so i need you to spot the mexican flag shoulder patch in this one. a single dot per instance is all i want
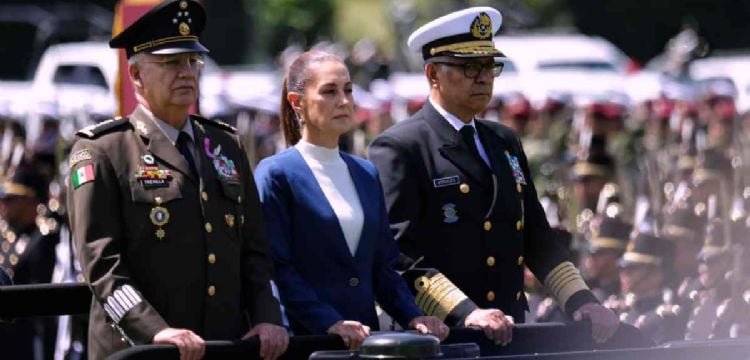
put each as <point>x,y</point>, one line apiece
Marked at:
<point>83,175</point>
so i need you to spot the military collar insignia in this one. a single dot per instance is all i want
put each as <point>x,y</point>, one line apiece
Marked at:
<point>224,166</point>
<point>140,126</point>
<point>516,167</point>
<point>481,27</point>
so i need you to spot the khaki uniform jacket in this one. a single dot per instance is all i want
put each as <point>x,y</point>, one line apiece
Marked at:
<point>160,247</point>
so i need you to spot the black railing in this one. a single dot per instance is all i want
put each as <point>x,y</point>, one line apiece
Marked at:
<point>540,341</point>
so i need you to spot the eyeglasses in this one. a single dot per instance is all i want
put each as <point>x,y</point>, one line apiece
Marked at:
<point>473,69</point>
<point>193,62</point>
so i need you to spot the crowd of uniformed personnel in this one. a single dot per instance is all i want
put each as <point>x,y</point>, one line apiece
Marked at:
<point>654,199</point>
<point>651,198</point>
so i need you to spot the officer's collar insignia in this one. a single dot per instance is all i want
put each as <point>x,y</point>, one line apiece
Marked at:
<point>140,126</point>
<point>450,214</point>
<point>516,167</point>
<point>224,166</point>
<point>481,27</point>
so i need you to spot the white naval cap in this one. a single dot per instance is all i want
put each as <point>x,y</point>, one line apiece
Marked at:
<point>464,33</point>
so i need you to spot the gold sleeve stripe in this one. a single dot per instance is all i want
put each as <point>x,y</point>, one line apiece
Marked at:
<point>438,296</point>
<point>564,281</point>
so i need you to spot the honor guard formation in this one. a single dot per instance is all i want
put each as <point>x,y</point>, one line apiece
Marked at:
<point>329,197</point>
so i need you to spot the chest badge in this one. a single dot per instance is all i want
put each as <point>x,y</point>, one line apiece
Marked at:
<point>223,165</point>
<point>151,176</point>
<point>450,214</point>
<point>230,219</point>
<point>516,167</point>
<point>159,217</point>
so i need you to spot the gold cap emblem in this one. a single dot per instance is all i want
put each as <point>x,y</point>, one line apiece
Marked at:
<point>184,29</point>
<point>481,27</point>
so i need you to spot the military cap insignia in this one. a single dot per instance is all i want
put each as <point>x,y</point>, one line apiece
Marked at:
<point>183,5</point>
<point>184,29</point>
<point>481,27</point>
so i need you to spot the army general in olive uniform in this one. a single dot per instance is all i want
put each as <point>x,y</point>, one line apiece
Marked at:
<point>164,209</point>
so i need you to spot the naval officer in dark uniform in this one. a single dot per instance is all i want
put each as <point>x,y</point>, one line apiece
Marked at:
<point>459,193</point>
<point>164,209</point>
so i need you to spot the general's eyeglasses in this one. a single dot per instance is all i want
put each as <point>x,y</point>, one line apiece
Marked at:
<point>472,69</point>
<point>193,62</point>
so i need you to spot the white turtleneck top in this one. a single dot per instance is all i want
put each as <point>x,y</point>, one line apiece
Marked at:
<point>334,179</point>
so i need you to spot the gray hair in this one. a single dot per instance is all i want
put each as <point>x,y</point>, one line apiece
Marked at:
<point>136,58</point>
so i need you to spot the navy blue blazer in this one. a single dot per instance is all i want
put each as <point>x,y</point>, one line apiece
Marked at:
<point>319,281</point>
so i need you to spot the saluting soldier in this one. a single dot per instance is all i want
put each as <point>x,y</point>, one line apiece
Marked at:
<point>459,193</point>
<point>164,210</point>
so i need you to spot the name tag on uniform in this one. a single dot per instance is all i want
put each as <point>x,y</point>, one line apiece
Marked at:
<point>446,181</point>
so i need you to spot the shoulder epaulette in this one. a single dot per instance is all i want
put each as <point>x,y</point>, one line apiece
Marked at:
<point>215,123</point>
<point>102,127</point>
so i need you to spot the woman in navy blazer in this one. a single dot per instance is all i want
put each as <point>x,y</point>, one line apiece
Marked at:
<point>325,214</point>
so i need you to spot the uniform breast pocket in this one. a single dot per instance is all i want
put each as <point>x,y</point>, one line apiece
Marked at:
<point>232,206</point>
<point>153,211</point>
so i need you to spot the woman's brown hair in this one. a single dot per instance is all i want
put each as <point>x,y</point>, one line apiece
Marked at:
<point>296,80</point>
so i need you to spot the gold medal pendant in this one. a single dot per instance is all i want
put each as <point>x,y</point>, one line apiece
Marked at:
<point>159,216</point>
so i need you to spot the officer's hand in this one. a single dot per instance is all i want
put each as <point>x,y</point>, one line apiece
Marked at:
<point>604,322</point>
<point>497,326</point>
<point>273,339</point>
<point>191,346</point>
<point>430,325</point>
<point>352,332</point>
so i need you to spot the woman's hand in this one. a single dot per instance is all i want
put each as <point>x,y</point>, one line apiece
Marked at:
<point>352,332</point>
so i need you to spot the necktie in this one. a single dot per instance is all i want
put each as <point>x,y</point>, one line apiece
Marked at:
<point>183,146</point>
<point>467,132</point>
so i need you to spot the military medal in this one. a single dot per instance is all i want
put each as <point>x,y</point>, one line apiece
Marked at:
<point>224,166</point>
<point>516,167</point>
<point>159,216</point>
<point>151,176</point>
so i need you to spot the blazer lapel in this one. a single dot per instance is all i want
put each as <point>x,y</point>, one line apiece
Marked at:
<point>368,201</point>
<point>454,148</point>
<point>158,143</point>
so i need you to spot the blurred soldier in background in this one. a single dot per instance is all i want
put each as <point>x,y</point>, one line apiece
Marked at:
<point>27,253</point>
<point>644,274</point>
<point>610,235</point>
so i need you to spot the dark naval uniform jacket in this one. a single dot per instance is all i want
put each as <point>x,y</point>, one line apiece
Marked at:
<point>161,246</point>
<point>479,226</point>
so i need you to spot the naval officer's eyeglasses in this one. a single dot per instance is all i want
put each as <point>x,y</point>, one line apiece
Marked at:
<point>473,69</point>
<point>194,62</point>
